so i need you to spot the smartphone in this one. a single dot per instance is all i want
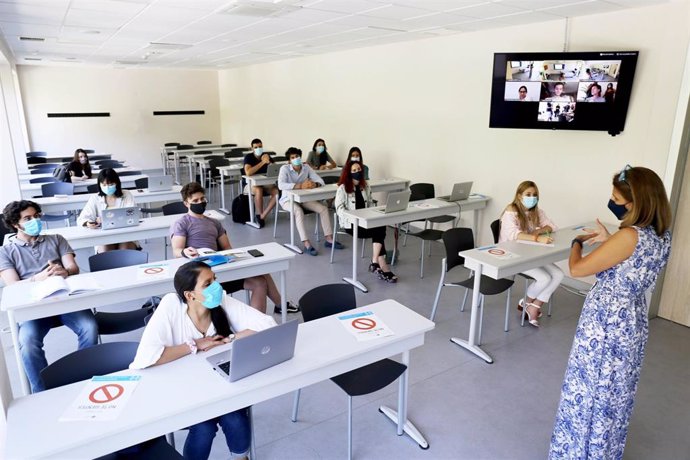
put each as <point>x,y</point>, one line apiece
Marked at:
<point>255,253</point>
<point>54,262</point>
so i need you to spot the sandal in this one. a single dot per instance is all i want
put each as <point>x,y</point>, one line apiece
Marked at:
<point>534,322</point>
<point>519,307</point>
<point>374,267</point>
<point>388,277</point>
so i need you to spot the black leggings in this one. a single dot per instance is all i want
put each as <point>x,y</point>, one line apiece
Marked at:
<point>377,235</point>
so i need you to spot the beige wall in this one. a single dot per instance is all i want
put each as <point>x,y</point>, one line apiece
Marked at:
<point>420,110</point>
<point>131,132</point>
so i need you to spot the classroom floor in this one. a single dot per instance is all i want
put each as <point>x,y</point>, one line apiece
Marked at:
<point>467,409</point>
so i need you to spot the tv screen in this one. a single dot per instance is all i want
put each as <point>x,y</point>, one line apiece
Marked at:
<point>578,90</point>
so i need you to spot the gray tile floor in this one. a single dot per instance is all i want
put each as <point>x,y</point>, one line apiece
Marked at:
<point>467,409</point>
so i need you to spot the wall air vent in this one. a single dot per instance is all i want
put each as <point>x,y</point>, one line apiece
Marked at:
<point>179,112</point>
<point>78,114</point>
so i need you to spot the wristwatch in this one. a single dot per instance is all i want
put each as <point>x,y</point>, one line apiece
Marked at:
<point>576,240</point>
<point>231,337</point>
<point>192,346</point>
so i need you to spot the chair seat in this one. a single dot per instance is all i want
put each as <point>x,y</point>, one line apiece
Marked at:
<point>487,285</point>
<point>441,219</point>
<point>118,323</point>
<point>369,378</point>
<point>151,210</point>
<point>429,234</point>
<point>154,449</point>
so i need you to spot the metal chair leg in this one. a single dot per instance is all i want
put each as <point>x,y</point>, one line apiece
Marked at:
<point>438,289</point>
<point>170,437</point>
<point>275,219</point>
<point>295,405</point>
<point>481,319</point>
<point>252,443</point>
<point>349,427</point>
<point>421,258</point>
<point>464,299</point>
<point>505,327</point>
<point>335,232</point>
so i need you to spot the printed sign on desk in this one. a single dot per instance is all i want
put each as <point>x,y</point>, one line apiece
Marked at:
<point>365,326</point>
<point>101,399</point>
<point>499,253</point>
<point>153,271</point>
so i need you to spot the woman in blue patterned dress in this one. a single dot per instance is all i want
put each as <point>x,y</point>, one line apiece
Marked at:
<point>598,392</point>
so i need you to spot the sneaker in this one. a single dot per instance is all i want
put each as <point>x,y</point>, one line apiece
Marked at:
<point>311,250</point>
<point>328,244</point>
<point>291,308</point>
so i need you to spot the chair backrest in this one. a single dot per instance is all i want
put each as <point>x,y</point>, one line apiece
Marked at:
<point>42,180</point>
<point>94,158</point>
<point>424,189</point>
<point>327,300</point>
<point>185,147</point>
<point>57,188</point>
<point>240,149</point>
<point>129,173</point>
<point>35,160</point>
<point>108,164</point>
<point>233,154</point>
<point>116,259</point>
<point>45,167</point>
<point>3,230</point>
<point>88,151</point>
<point>176,207</point>
<point>228,145</point>
<point>83,364</point>
<point>204,142</point>
<point>214,162</point>
<point>171,144</point>
<point>496,229</point>
<point>330,179</point>
<point>36,154</point>
<point>278,158</point>
<point>142,182</point>
<point>456,240</point>
<point>93,188</point>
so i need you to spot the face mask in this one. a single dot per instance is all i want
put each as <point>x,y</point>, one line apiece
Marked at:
<point>529,201</point>
<point>354,159</point>
<point>618,210</point>
<point>258,151</point>
<point>296,162</point>
<point>356,175</point>
<point>83,161</point>
<point>198,208</point>
<point>320,149</point>
<point>213,295</point>
<point>33,227</point>
<point>109,189</point>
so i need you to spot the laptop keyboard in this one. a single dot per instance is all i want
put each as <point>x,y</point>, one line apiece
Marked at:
<point>225,367</point>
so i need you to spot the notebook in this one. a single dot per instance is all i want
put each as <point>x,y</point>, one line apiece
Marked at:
<point>396,201</point>
<point>120,218</point>
<point>160,183</point>
<point>461,191</point>
<point>57,285</point>
<point>256,352</point>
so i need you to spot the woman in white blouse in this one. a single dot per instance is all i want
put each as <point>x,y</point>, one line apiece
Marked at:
<point>523,220</point>
<point>197,318</point>
<point>110,196</point>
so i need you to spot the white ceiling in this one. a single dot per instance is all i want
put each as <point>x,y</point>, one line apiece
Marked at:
<point>230,33</point>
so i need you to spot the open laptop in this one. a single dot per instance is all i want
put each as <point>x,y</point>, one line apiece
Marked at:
<point>461,191</point>
<point>120,218</point>
<point>273,170</point>
<point>160,183</point>
<point>256,352</point>
<point>396,201</point>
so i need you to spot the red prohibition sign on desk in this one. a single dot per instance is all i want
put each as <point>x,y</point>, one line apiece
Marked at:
<point>106,393</point>
<point>153,270</point>
<point>363,324</point>
<point>497,252</point>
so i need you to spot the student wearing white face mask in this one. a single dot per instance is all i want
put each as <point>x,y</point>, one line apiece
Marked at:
<point>319,158</point>
<point>523,220</point>
<point>256,162</point>
<point>355,156</point>
<point>110,196</point>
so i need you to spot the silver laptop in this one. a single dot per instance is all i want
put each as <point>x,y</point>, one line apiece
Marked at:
<point>120,218</point>
<point>160,183</point>
<point>461,191</point>
<point>256,352</point>
<point>396,201</point>
<point>273,170</point>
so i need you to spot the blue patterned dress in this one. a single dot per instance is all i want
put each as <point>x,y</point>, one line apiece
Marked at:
<point>604,367</point>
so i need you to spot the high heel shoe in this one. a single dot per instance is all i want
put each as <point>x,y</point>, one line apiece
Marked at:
<point>534,322</point>
<point>375,268</point>
<point>388,277</point>
<point>519,307</point>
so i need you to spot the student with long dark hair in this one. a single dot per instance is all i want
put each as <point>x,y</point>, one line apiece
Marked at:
<point>355,156</point>
<point>198,317</point>
<point>79,168</point>
<point>319,158</point>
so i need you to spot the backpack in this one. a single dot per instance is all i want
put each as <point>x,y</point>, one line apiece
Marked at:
<point>240,209</point>
<point>61,174</point>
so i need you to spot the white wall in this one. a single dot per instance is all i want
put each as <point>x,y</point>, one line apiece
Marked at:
<point>420,110</point>
<point>131,132</point>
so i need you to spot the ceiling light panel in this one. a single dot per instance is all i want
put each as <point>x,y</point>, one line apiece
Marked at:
<point>488,10</point>
<point>396,12</point>
<point>30,14</point>
<point>345,6</point>
<point>529,17</point>
<point>108,6</point>
<point>583,9</point>
<point>538,4</point>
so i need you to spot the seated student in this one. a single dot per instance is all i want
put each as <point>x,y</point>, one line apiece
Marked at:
<point>79,168</point>
<point>354,193</point>
<point>299,176</point>
<point>30,256</point>
<point>355,156</point>
<point>257,162</point>
<point>110,196</point>
<point>198,317</point>
<point>523,220</point>
<point>195,231</point>
<point>594,93</point>
<point>319,158</point>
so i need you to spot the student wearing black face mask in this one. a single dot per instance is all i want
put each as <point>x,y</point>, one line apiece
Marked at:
<point>194,231</point>
<point>355,156</point>
<point>598,394</point>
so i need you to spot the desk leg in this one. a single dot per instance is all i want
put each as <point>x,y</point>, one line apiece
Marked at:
<point>222,192</point>
<point>355,238</point>
<point>176,157</point>
<point>14,330</point>
<point>283,296</point>
<point>251,222</point>
<point>475,223</point>
<point>404,425</point>
<point>191,169</point>
<point>471,343</point>
<point>291,245</point>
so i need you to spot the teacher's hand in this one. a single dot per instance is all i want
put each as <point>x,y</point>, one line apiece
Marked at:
<point>596,235</point>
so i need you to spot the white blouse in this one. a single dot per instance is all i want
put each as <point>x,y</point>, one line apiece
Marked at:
<point>96,205</point>
<point>170,325</point>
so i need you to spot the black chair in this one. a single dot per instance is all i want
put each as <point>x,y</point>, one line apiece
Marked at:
<point>213,175</point>
<point>57,188</point>
<point>35,160</point>
<point>228,145</point>
<point>142,182</point>
<point>233,154</point>
<point>44,165</point>
<point>185,147</point>
<point>171,144</point>
<point>204,142</point>
<point>176,207</point>
<point>105,359</point>
<point>330,300</point>
<point>279,158</point>
<point>93,188</point>
<point>426,234</point>
<point>42,180</point>
<point>87,151</point>
<point>4,231</point>
<point>103,164</point>
<point>462,239</point>
<point>330,179</point>
<point>36,154</point>
<point>129,173</point>
<point>94,158</point>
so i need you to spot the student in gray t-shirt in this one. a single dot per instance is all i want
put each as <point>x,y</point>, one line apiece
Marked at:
<point>194,231</point>
<point>32,257</point>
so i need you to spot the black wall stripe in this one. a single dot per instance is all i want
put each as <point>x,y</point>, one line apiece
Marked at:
<point>79,114</point>
<point>179,112</point>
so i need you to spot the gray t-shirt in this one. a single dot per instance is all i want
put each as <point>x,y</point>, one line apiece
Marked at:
<point>200,232</point>
<point>28,260</point>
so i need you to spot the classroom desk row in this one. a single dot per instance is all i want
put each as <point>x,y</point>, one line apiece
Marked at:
<point>52,205</point>
<point>31,190</point>
<point>25,177</point>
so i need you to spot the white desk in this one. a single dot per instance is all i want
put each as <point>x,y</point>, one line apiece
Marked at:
<point>27,176</point>
<point>527,257</point>
<point>372,218</point>
<point>231,171</point>
<point>63,158</point>
<point>51,205</point>
<point>122,285</point>
<point>177,154</point>
<point>328,191</point>
<point>31,190</point>
<point>156,408</point>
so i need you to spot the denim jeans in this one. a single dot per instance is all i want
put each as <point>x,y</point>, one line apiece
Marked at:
<point>237,431</point>
<point>31,334</point>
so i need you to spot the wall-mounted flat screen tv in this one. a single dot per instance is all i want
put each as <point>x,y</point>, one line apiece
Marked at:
<point>576,90</point>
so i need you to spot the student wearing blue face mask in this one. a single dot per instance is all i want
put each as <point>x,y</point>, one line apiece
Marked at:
<point>256,162</point>
<point>110,196</point>
<point>198,317</point>
<point>319,158</point>
<point>523,220</point>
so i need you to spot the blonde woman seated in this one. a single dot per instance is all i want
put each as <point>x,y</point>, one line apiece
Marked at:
<point>198,317</point>
<point>523,220</point>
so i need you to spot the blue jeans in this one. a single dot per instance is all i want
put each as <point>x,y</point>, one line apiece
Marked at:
<point>237,431</point>
<point>31,334</point>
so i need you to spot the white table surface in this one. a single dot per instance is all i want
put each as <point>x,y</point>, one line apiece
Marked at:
<point>50,205</point>
<point>30,190</point>
<point>156,408</point>
<point>26,176</point>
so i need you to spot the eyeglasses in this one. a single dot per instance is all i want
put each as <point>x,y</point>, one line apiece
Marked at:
<point>621,176</point>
